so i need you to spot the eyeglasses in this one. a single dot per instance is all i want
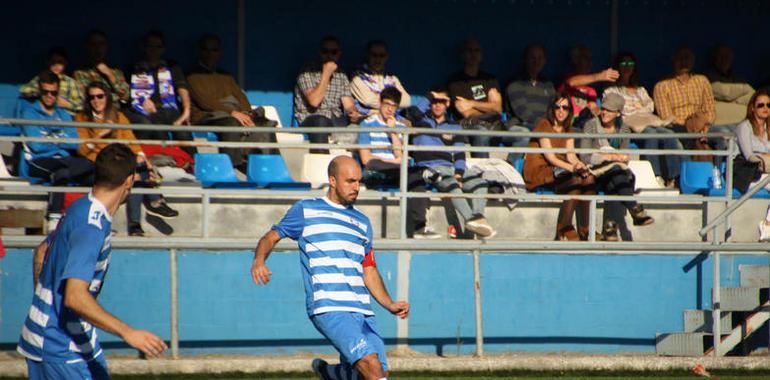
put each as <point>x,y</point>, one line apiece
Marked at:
<point>565,107</point>
<point>329,51</point>
<point>49,92</point>
<point>439,101</point>
<point>96,96</point>
<point>627,63</point>
<point>762,105</point>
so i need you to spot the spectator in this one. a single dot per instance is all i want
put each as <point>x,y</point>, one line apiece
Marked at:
<point>688,100</point>
<point>100,109</point>
<point>322,95</point>
<point>70,96</point>
<point>445,170</point>
<point>731,92</point>
<point>528,96</point>
<point>54,163</point>
<point>753,164</point>
<point>371,79</point>
<point>155,89</point>
<point>638,115</point>
<point>579,84</point>
<point>218,100</point>
<point>383,163</point>
<point>99,71</point>
<point>562,171</point>
<point>614,179</point>
<point>475,97</point>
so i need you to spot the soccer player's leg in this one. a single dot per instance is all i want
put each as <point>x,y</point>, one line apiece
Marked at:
<point>94,370</point>
<point>346,332</point>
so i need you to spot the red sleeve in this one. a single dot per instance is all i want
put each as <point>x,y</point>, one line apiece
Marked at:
<point>369,259</point>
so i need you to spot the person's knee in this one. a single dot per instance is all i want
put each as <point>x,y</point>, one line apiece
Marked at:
<point>370,367</point>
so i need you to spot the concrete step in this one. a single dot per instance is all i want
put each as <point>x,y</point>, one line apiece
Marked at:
<point>683,343</point>
<point>742,299</point>
<point>755,275</point>
<point>700,321</point>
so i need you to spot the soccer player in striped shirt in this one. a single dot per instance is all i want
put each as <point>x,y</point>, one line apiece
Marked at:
<point>59,335</point>
<point>339,273</point>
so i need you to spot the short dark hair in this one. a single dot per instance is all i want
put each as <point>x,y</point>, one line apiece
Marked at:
<point>329,38</point>
<point>114,164</point>
<point>154,33</point>
<point>374,43</point>
<point>95,32</point>
<point>47,77</point>
<point>208,36</point>
<point>57,51</point>
<point>391,93</point>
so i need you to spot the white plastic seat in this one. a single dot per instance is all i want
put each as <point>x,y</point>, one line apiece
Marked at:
<point>314,168</point>
<point>646,184</point>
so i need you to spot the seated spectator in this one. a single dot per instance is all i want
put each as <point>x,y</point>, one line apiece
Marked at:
<point>444,170</point>
<point>371,79</point>
<point>579,84</point>
<point>382,164</point>
<point>99,71</point>
<point>614,179</point>
<point>753,164</point>
<point>155,89</point>
<point>688,100</point>
<point>54,163</point>
<point>476,99</point>
<point>322,95</point>
<point>731,92</point>
<point>99,109</point>
<point>528,96</point>
<point>638,114</point>
<point>70,95</point>
<point>218,100</point>
<point>564,172</point>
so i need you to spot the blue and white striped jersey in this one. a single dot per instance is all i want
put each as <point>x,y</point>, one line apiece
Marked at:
<point>333,240</point>
<point>380,141</point>
<point>79,248</point>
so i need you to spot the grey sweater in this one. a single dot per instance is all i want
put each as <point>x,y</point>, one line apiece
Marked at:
<point>594,126</point>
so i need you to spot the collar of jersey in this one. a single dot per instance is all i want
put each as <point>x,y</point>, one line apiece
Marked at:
<point>335,205</point>
<point>99,204</point>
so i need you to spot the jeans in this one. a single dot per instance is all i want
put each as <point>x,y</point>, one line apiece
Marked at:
<point>134,201</point>
<point>321,121</point>
<point>516,142</point>
<point>672,162</point>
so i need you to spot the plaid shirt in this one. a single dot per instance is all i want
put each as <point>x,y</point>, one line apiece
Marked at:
<point>331,105</point>
<point>674,98</point>
<point>68,90</point>
<point>119,87</point>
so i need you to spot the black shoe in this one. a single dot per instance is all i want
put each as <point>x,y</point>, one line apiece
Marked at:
<point>610,231</point>
<point>162,210</point>
<point>135,230</point>
<point>640,216</point>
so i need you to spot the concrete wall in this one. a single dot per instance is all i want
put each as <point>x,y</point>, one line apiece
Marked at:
<point>531,302</point>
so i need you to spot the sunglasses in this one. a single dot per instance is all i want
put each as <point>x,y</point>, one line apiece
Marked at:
<point>330,51</point>
<point>762,105</point>
<point>627,63</point>
<point>439,101</point>
<point>49,92</point>
<point>96,96</point>
<point>565,107</point>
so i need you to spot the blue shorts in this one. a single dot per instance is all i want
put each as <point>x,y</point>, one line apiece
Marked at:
<point>354,335</point>
<point>94,370</point>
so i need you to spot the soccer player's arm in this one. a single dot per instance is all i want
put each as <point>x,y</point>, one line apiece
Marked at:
<point>38,259</point>
<point>290,226</point>
<point>373,282</point>
<point>77,276</point>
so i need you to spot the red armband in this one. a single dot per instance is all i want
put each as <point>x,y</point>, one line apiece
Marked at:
<point>369,259</point>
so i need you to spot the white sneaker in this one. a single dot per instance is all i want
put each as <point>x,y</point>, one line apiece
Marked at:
<point>764,231</point>
<point>425,233</point>
<point>479,226</point>
<point>661,181</point>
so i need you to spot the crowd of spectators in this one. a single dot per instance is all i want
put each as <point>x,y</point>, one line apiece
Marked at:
<point>156,91</point>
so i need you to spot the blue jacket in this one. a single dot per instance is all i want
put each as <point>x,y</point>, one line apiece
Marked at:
<point>44,149</point>
<point>421,117</point>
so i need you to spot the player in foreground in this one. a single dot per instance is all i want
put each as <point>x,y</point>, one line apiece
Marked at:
<point>59,335</point>
<point>339,272</point>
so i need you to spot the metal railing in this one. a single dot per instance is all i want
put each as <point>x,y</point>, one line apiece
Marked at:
<point>403,246</point>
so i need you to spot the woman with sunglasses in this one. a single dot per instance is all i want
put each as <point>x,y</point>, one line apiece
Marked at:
<point>98,108</point>
<point>563,172</point>
<point>751,165</point>
<point>638,113</point>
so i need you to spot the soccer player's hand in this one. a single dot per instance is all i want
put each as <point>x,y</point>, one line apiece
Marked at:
<point>260,274</point>
<point>400,309</point>
<point>145,341</point>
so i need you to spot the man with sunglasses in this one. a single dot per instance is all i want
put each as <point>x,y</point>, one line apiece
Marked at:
<point>70,94</point>
<point>322,96</point>
<point>371,79</point>
<point>56,164</point>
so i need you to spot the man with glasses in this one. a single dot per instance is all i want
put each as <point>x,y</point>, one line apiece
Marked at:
<point>56,164</point>
<point>217,99</point>
<point>382,162</point>
<point>70,94</point>
<point>371,79</point>
<point>322,95</point>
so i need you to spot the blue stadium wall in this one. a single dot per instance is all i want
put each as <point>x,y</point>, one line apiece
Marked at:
<point>531,302</point>
<point>424,35</point>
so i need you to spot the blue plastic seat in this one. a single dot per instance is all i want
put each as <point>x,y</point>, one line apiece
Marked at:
<point>519,165</point>
<point>216,170</point>
<point>269,171</point>
<point>210,136</point>
<point>24,171</point>
<point>695,177</point>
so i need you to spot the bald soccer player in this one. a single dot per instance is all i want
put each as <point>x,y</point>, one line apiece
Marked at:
<point>339,273</point>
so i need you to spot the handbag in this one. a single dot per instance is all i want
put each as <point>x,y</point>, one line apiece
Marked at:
<point>763,162</point>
